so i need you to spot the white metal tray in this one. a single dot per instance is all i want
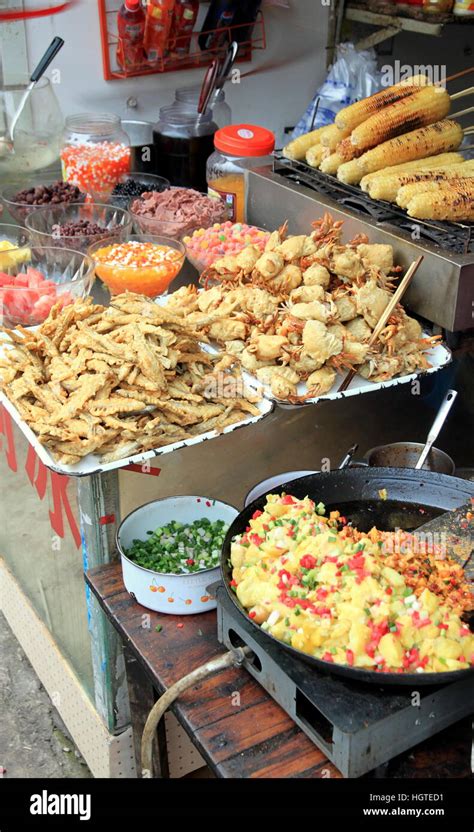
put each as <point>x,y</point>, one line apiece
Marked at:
<point>91,463</point>
<point>438,357</point>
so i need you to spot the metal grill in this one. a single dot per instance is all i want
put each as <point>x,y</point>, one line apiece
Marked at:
<point>457,238</point>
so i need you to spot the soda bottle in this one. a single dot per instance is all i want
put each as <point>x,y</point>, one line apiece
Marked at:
<point>131,29</point>
<point>185,15</point>
<point>221,13</point>
<point>159,17</point>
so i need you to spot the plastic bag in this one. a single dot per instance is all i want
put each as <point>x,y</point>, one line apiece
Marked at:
<point>353,76</point>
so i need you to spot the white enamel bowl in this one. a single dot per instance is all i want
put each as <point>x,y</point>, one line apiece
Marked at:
<point>168,593</point>
<point>272,483</point>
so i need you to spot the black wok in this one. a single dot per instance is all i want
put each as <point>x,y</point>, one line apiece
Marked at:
<point>413,498</point>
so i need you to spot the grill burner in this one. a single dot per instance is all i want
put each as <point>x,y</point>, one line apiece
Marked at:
<point>450,236</point>
<point>358,726</point>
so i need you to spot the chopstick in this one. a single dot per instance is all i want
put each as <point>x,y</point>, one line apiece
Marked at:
<point>459,74</point>
<point>396,297</point>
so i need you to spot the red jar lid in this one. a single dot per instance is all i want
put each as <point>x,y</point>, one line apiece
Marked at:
<point>244,140</point>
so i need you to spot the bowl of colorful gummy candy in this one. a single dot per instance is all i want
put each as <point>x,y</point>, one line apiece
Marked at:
<point>206,245</point>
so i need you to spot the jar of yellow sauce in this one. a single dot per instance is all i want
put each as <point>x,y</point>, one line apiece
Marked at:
<point>238,147</point>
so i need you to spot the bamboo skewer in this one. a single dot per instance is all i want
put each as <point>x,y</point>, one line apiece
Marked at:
<point>462,112</point>
<point>462,93</point>
<point>396,298</point>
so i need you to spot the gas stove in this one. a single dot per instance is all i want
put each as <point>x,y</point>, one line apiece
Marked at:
<point>358,726</point>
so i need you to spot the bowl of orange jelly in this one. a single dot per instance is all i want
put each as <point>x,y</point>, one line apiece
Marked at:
<point>145,263</point>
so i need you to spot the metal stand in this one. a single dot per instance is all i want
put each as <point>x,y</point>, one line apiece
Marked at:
<point>99,512</point>
<point>358,726</point>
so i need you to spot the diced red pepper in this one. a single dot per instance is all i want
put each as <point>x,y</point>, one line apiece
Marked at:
<point>322,611</point>
<point>287,500</point>
<point>357,562</point>
<point>389,590</point>
<point>321,594</point>
<point>256,514</point>
<point>443,626</point>
<point>350,657</point>
<point>256,539</point>
<point>252,614</point>
<point>308,562</point>
<point>327,657</point>
<point>233,582</point>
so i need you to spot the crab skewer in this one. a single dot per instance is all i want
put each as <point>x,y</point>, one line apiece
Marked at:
<point>404,284</point>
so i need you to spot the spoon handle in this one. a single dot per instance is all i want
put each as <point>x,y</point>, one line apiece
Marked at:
<point>438,423</point>
<point>51,52</point>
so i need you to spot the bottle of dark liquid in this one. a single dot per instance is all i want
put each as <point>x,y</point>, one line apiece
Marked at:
<point>183,143</point>
<point>221,14</point>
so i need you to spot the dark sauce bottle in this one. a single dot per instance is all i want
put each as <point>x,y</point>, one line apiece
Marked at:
<point>183,144</point>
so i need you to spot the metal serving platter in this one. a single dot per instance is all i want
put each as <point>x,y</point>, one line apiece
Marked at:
<point>91,464</point>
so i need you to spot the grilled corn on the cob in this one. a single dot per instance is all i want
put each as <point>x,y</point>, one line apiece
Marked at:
<point>350,117</point>
<point>441,160</point>
<point>333,135</point>
<point>450,202</point>
<point>386,187</point>
<point>407,192</point>
<point>425,106</point>
<point>298,148</point>
<point>426,141</point>
<point>314,155</point>
<point>345,151</point>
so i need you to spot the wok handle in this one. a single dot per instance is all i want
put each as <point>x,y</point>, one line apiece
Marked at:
<point>438,423</point>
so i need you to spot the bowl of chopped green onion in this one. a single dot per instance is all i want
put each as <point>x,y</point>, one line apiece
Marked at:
<point>168,564</point>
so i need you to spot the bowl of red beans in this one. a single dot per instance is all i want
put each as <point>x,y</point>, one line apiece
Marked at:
<point>206,245</point>
<point>77,225</point>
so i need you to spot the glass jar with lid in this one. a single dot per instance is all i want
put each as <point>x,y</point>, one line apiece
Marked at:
<point>96,153</point>
<point>237,148</point>
<point>183,142</point>
<point>221,112</point>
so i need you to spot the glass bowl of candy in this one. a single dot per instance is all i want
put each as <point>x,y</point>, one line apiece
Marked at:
<point>40,192</point>
<point>96,153</point>
<point>144,263</point>
<point>206,245</point>
<point>176,212</point>
<point>77,225</point>
<point>48,277</point>
<point>134,184</point>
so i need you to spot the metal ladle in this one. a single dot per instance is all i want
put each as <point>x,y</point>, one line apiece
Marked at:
<point>51,52</point>
<point>438,423</point>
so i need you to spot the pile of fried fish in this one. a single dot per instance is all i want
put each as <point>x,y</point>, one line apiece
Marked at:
<point>118,380</point>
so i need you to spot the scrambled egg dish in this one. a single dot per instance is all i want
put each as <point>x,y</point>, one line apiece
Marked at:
<point>327,591</point>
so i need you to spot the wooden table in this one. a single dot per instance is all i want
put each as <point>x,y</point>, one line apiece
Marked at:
<point>255,738</point>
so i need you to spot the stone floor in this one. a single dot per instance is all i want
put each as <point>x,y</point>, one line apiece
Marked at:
<point>33,740</point>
